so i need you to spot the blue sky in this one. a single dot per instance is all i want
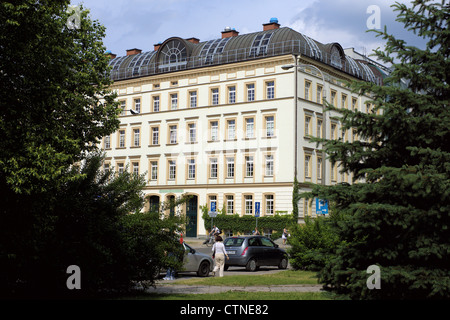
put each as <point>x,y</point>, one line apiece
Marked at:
<point>142,23</point>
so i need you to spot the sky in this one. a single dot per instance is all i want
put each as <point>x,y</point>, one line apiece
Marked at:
<point>143,23</point>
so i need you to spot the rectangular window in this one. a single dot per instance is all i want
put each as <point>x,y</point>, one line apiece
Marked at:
<point>174,101</point>
<point>156,104</point>
<point>215,96</point>
<point>135,166</point>
<point>121,138</point>
<point>270,90</point>
<point>232,94</point>
<point>120,168</point>
<point>248,204</point>
<point>354,104</point>
<point>319,128</point>
<point>137,105</point>
<point>249,166</point>
<point>136,137</point>
<point>123,107</point>
<point>307,90</point>
<point>231,129</point>
<point>319,94</point>
<point>191,168</point>
<point>344,101</point>
<point>333,131</point>
<point>172,169</point>
<point>319,167</point>
<point>270,126</point>
<point>213,168</point>
<point>230,167</point>
<point>214,130</point>
<point>192,132</point>
<point>193,99</point>
<point>269,165</point>
<point>155,136</point>
<point>307,125</point>
<point>333,98</point>
<point>230,204</point>
<point>269,204</point>
<point>249,127</point>
<point>108,142</point>
<point>307,166</point>
<point>173,134</point>
<point>251,92</point>
<point>154,170</point>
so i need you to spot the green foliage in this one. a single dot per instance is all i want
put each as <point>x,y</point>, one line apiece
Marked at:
<point>397,217</point>
<point>295,198</point>
<point>246,224</point>
<point>310,243</point>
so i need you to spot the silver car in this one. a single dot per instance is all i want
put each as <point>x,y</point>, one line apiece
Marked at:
<point>194,261</point>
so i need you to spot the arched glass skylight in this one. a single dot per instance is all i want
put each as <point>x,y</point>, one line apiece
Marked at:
<point>260,43</point>
<point>116,62</point>
<point>173,56</point>
<point>369,74</point>
<point>139,60</point>
<point>313,48</point>
<point>353,66</point>
<point>212,48</point>
<point>336,58</point>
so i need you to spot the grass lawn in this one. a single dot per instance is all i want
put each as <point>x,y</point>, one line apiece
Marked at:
<point>237,295</point>
<point>279,278</point>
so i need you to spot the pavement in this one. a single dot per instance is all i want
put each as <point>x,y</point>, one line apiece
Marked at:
<point>170,286</point>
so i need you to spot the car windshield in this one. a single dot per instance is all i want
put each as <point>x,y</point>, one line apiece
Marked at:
<point>233,242</point>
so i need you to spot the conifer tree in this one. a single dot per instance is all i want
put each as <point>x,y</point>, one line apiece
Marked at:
<point>396,213</point>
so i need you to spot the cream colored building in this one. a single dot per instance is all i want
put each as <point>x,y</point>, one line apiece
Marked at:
<point>216,119</point>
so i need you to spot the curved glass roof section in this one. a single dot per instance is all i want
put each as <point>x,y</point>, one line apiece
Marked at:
<point>179,54</point>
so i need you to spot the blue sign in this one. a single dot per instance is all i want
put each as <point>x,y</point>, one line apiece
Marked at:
<point>213,206</point>
<point>321,206</point>
<point>257,209</point>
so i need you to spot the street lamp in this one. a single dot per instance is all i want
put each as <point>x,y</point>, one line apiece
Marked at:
<point>298,66</point>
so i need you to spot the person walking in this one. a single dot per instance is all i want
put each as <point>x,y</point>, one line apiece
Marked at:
<point>219,256</point>
<point>284,235</point>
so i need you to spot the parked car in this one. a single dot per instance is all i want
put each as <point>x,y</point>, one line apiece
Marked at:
<point>194,261</point>
<point>253,252</point>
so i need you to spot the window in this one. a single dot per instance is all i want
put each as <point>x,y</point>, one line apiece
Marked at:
<point>307,90</point>
<point>213,168</point>
<point>154,170</point>
<point>137,105</point>
<point>135,166</point>
<point>319,94</point>
<point>251,92</point>
<point>214,130</point>
<point>307,166</point>
<point>230,204</point>
<point>155,136</point>
<point>215,96</point>
<point>156,104</point>
<point>344,101</point>
<point>191,168</point>
<point>319,167</point>
<point>123,107</point>
<point>173,134</point>
<point>259,45</point>
<point>172,169</point>
<point>333,98</point>
<point>269,165</point>
<point>232,94</point>
<point>193,99</point>
<point>174,101</point>
<point>192,132</point>
<point>249,166</point>
<point>231,129</point>
<point>106,167</point>
<point>354,104</point>
<point>270,126</point>
<point>108,142</point>
<point>307,125</point>
<point>270,89</point>
<point>333,131</point>
<point>230,167</point>
<point>269,204</point>
<point>248,204</point>
<point>136,137</point>
<point>249,127</point>
<point>120,168</point>
<point>319,128</point>
<point>121,138</point>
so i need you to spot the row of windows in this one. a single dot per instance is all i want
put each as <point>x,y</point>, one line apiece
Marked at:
<point>214,98</point>
<point>192,167</point>
<point>191,134</point>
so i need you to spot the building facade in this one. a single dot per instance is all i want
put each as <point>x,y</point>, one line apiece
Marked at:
<point>229,120</point>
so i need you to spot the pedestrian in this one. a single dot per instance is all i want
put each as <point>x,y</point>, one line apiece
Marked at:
<point>219,256</point>
<point>284,235</point>
<point>256,232</point>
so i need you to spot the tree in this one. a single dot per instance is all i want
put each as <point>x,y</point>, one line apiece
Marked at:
<point>398,218</point>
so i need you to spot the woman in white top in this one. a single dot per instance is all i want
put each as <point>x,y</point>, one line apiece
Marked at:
<point>219,255</point>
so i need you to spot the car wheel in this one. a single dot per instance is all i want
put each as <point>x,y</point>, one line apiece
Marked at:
<point>251,265</point>
<point>203,269</point>
<point>283,263</point>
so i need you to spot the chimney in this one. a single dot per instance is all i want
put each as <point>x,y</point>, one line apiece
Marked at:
<point>228,33</point>
<point>110,55</point>
<point>194,40</point>
<point>157,46</point>
<point>134,51</point>
<point>273,24</point>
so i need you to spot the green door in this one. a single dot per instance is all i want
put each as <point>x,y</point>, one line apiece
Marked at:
<point>191,217</point>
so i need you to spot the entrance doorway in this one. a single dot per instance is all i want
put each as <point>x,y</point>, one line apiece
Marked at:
<point>191,216</point>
